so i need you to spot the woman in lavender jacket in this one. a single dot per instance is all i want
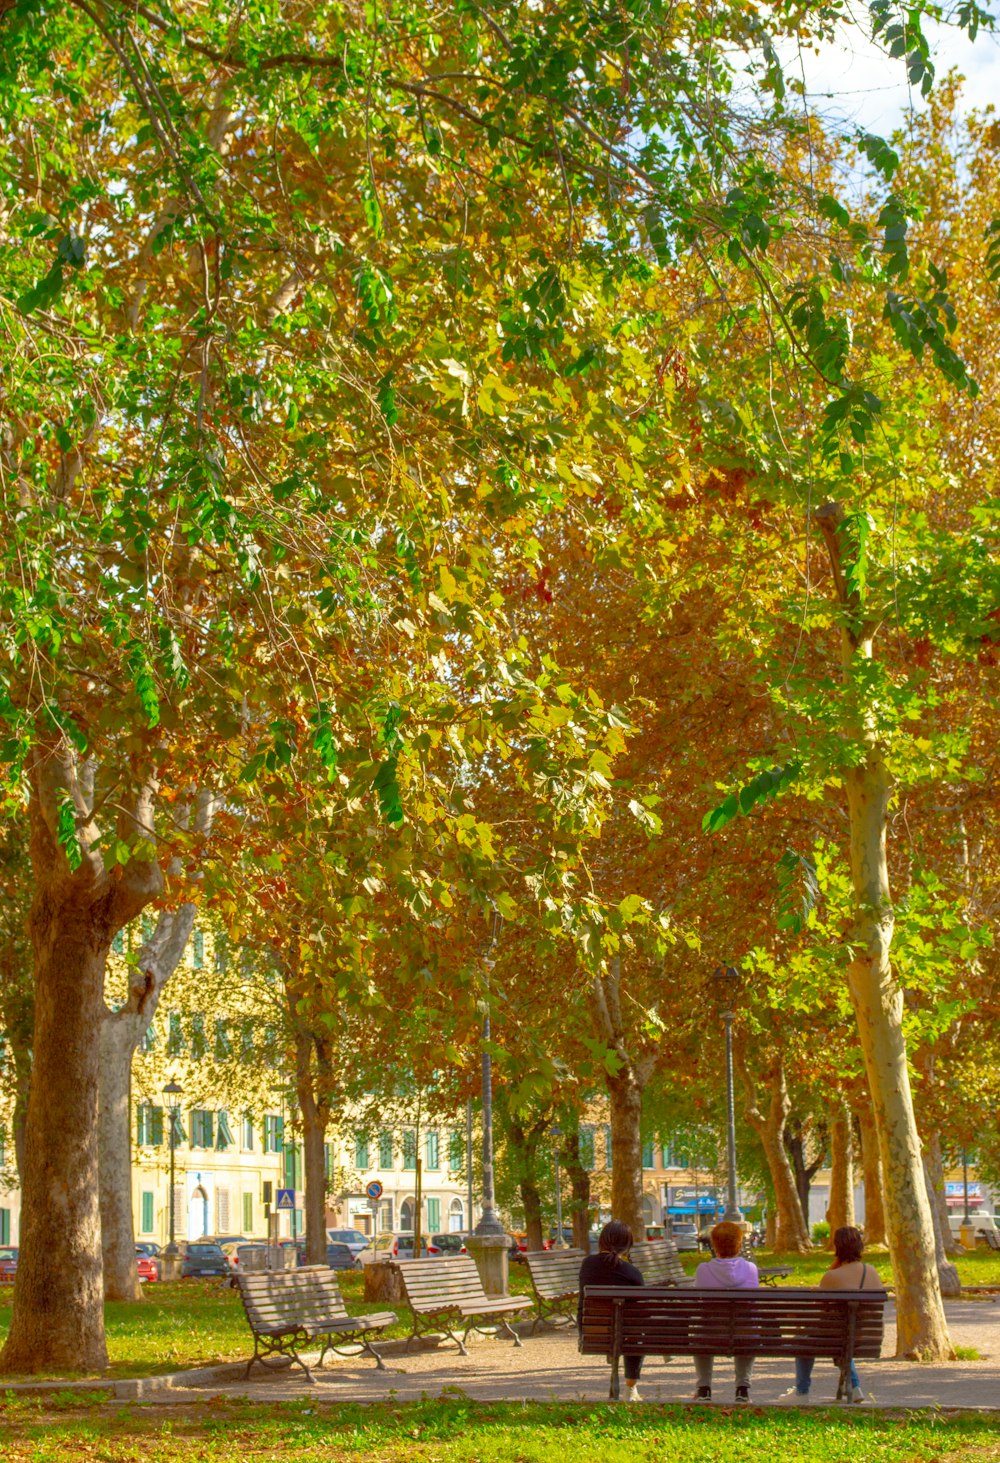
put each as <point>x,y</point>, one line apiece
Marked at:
<point>727,1271</point>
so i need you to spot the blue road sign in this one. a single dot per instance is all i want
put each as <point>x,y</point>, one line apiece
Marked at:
<point>286,1199</point>
<point>374,1189</point>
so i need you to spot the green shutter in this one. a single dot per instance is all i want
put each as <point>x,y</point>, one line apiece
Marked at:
<point>361,1154</point>
<point>409,1149</point>
<point>224,1134</point>
<point>456,1149</point>
<point>248,1214</point>
<point>433,1216</point>
<point>647,1155</point>
<point>4,1226</point>
<point>385,1150</point>
<point>198,950</point>
<point>431,1150</point>
<point>147,1212</point>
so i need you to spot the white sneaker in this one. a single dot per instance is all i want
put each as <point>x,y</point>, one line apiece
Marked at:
<point>794,1395</point>
<point>632,1394</point>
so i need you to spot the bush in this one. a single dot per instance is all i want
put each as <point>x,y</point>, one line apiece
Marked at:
<point>820,1232</point>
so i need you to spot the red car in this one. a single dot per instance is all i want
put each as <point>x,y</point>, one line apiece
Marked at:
<point>146,1266</point>
<point>8,1265</point>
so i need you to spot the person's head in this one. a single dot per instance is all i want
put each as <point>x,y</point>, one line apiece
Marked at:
<point>848,1244</point>
<point>615,1240</point>
<point>727,1239</point>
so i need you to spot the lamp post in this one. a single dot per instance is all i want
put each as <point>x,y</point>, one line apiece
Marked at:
<point>171,1092</point>
<point>468,1159</point>
<point>965,1185</point>
<point>489,1220</point>
<point>726,981</point>
<point>556,1132</point>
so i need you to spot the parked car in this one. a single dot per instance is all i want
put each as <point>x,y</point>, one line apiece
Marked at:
<point>984,1224</point>
<point>447,1244</point>
<point>146,1266</point>
<point>146,1247</point>
<point>8,1263</point>
<point>567,1237</point>
<point>684,1233</point>
<point>202,1257</point>
<point>391,1246</point>
<point>353,1238</point>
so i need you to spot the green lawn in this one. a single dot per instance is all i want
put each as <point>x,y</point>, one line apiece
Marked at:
<point>195,1322</point>
<point>459,1431</point>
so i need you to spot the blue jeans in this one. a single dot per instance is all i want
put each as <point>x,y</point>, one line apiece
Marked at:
<point>804,1370</point>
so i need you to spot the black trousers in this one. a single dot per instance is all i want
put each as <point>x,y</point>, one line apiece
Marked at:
<point>633,1367</point>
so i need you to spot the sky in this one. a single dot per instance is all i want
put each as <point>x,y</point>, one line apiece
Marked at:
<point>854,83</point>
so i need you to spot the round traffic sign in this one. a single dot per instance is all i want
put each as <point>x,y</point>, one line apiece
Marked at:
<point>374,1189</point>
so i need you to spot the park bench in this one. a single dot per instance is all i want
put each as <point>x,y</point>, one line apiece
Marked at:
<point>555,1279</point>
<point>767,1274</point>
<point>445,1293</point>
<point>623,1320</point>
<point>286,1309</point>
<point>659,1262</point>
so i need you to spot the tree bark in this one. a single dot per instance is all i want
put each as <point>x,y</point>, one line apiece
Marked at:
<point>579,1181</point>
<point>625,1101</point>
<point>840,1208</point>
<point>523,1142</point>
<point>314,1106</point>
<point>871,1167</point>
<point>934,1166</point>
<point>58,1316</point>
<point>790,1233</point>
<point>948,1277</point>
<point>121,1031</point>
<point>877,998</point>
<point>795,1145</point>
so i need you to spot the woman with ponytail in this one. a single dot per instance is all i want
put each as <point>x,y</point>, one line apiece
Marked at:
<point>610,1267</point>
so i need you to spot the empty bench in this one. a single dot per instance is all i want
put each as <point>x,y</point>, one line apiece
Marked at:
<point>555,1279</point>
<point>621,1320</point>
<point>288,1309</point>
<point>767,1274</point>
<point>660,1263</point>
<point>447,1294</point>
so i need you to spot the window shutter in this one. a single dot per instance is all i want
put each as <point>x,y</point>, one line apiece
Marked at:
<point>224,1134</point>
<point>248,1214</point>
<point>222,1210</point>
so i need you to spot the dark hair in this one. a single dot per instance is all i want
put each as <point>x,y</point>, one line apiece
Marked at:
<point>848,1243</point>
<point>615,1240</point>
<point>727,1239</point>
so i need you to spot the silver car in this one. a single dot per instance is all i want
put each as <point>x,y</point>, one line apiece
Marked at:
<point>352,1238</point>
<point>684,1233</point>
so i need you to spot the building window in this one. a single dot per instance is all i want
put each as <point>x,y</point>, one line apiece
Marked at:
<point>4,1226</point>
<point>223,1134</point>
<point>274,1133</point>
<point>456,1149</point>
<point>175,1038</point>
<point>247,1134</point>
<point>328,1161</point>
<point>199,1042</point>
<point>406,1216</point>
<point>432,1156</point>
<point>248,1214</point>
<point>148,1038</point>
<point>223,1046</point>
<point>648,1156</point>
<point>147,1212</point>
<point>587,1145</point>
<point>198,949</point>
<point>148,1125</point>
<point>293,1166</point>
<point>409,1149</point>
<point>456,1216</point>
<point>202,1125</point>
<point>220,952</point>
<point>385,1150</point>
<point>433,1216</point>
<point>361,1154</point>
<point>246,1040</point>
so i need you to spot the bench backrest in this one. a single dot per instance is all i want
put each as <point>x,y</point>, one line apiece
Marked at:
<point>732,1322</point>
<point>659,1262</point>
<point>555,1273</point>
<point>442,1283</point>
<point>302,1297</point>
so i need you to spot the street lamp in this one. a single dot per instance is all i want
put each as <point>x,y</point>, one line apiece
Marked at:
<point>965,1185</point>
<point>556,1132</point>
<point>489,1220</point>
<point>726,981</point>
<point>172,1091</point>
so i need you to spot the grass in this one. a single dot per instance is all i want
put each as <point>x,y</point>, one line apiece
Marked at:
<point>459,1431</point>
<point>195,1322</point>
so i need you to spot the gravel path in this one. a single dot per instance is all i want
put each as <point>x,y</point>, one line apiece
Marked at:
<point>549,1367</point>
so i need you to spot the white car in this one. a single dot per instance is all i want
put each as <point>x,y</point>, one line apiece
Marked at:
<point>984,1224</point>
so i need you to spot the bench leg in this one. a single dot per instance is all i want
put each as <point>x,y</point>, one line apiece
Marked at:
<point>379,1363</point>
<point>506,1326</point>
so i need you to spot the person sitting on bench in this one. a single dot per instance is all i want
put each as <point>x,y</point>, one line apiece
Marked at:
<point>609,1267</point>
<point>848,1272</point>
<point>727,1271</point>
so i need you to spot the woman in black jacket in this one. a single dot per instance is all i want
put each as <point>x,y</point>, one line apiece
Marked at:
<point>609,1267</point>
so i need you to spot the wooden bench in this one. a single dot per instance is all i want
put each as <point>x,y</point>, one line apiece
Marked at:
<point>555,1279</point>
<point>767,1274</point>
<point>447,1292</point>
<point>660,1263</point>
<point>286,1309</point>
<point>621,1320</point>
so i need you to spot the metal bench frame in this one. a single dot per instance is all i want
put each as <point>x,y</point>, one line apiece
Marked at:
<point>550,1272</point>
<point>432,1314</point>
<point>343,1334</point>
<point>609,1340</point>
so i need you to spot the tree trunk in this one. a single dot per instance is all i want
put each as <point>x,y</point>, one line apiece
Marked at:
<point>121,1032</point>
<point>625,1101</point>
<point>877,998</point>
<point>948,1277</point>
<point>579,1181</point>
<point>58,1317</point>
<point>934,1166</point>
<point>871,1166</point>
<point>790,1229</point>
<point>795,1145</point>
<point>58,1320</point>
<point>840,1207</point>
<point>315,1111</point>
